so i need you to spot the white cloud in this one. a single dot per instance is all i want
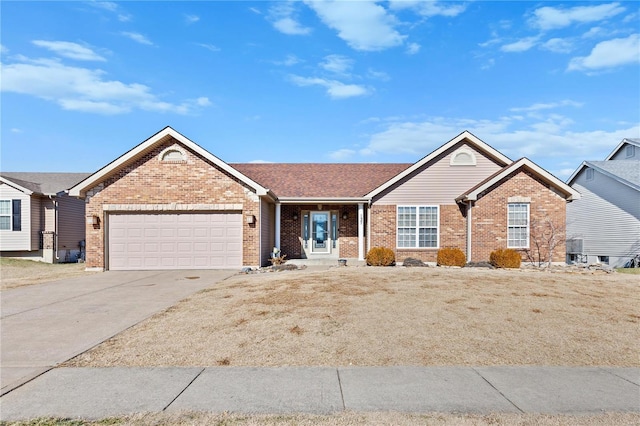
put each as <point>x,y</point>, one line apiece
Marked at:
<point>413,48</point>
<point>112,7</point>
<point>288,61</point>
<point>609,54</point>
<point>137,37</point>
<point>430,8</point>
<point>283,17</point>
<point>557,45</point>
<point>16,130</point>
<point>86,90</point>
<point>547,18</point>
<point>70,50</point>
<point>335,89</point>
<point>378,75</point>
<point>521,45</point>
<point>550,105</point>
<point>342,154</point>
<point>191,19</point>
<point>548,137</point>
<point>337,64</point>
<point>209,47</point>
<point>3,49</point>
<point>363,25</point>
<point>256,11</point>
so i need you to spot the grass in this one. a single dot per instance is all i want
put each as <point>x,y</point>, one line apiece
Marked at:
<point>631,271</point>
<point>391,316</point>
<point>347,419</point>
<point>19,272</point>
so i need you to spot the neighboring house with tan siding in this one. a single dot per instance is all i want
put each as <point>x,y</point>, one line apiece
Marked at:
<point>170,204</point>
<point>604,226</point>
<point>38,219</point>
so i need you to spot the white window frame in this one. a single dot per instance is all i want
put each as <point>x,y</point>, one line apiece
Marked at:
<point>630,151</point>
<point>9,215</point>
<point>510,226</point>
<point>416,226</point>
<point>590,174</point>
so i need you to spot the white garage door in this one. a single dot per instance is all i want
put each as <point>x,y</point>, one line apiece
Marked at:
<point>175,241</point>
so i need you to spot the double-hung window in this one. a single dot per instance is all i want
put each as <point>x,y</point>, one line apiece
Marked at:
<point>518,225</point>
<point>417,226</point>
<point>10,215</point>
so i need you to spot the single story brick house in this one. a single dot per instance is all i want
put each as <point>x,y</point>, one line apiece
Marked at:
<point>170,204</point>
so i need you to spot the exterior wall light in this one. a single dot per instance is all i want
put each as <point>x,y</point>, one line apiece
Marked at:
<point>93,220</point>
<point>251,218</point>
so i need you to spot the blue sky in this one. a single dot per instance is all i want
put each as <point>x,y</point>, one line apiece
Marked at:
<point>317,81</point>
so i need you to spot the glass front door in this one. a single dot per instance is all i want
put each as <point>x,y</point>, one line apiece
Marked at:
<point>320,232</point>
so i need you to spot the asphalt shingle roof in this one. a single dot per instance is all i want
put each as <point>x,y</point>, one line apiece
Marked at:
<point>45,183</point>
<point>320,180</point>
<point>628,170</point>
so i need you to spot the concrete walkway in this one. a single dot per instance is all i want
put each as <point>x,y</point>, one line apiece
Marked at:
<point>44,325</point>
<point>94,393</point>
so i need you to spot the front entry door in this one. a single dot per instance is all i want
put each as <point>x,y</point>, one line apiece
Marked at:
<point>320,232</point>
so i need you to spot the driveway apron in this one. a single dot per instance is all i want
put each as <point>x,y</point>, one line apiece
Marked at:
<point>46,324</point>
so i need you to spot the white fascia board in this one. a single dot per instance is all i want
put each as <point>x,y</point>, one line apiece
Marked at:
<point>462,136</point>
<point>100,175</point>
<point>619,147</point>
<point>322,200</point>
<point>576,173</point>
<point>551,179</point>
<point>15,185</point>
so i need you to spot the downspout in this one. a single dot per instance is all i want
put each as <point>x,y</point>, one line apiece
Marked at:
<point>469,223</point>
<point>55,229</point>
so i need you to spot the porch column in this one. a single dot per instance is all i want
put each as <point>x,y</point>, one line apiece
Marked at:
<point>277,227</point>
<point>469,225</point>
<point>360,231</point>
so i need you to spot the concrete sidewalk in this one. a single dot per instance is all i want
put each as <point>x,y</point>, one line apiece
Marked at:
<point>46,324</point>
<point>94,393</point>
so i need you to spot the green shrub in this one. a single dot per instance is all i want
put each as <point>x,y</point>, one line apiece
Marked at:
<point>381,256</point>
<point>505,258</point>
<point>451,257</point>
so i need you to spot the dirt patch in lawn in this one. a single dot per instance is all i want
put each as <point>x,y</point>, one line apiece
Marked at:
<point>391,316</point>
<point>18,272</point>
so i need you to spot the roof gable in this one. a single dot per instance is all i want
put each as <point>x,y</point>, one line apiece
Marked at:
<point>465,136</point>
<point>472,194</point>
<point>627,172</point>
<point>625,141</point>
<point>159,138</point>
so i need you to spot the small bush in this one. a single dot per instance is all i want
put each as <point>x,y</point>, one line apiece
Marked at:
<point>451,257</point>
<point>381,256</point>
<point>505,258</point>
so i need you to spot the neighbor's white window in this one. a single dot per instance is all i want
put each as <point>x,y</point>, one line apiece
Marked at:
<point>5,215</point>
<point>418,226</point>
<point>518,225</point>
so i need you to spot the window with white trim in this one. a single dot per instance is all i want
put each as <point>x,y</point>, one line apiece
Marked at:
<point>518,225</point>
<point>630,151</point>
<point>589,174</point>
<point>418,226</point>
<point>10,215</point>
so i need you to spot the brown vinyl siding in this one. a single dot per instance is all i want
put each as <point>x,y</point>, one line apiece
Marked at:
<point>267,231</point>
<point>71,222</point>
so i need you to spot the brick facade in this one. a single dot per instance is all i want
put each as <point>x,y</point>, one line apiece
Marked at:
<point>489,229</point>
<point>150,181</point>
<point>453,231</point>
<point>291,242</point>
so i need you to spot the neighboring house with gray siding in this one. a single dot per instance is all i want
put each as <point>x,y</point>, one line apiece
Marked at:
<point>604,225</point>
<point>38,219</point>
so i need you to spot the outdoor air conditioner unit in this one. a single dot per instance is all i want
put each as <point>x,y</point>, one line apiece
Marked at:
<point>575,246</point>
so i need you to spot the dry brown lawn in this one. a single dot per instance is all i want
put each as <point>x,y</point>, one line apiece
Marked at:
<point>368,316</point>
<point>19,272</point>
<point>349,419</point>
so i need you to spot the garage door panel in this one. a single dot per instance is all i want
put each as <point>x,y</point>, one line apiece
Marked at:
<point>175,241</point>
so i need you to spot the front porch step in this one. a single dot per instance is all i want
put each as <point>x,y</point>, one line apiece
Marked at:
<point>326,262</point>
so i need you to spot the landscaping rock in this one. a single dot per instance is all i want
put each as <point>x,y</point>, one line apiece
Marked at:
<point>411,262</point>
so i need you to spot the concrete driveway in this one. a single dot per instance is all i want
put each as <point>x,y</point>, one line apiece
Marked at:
<point>46,324</point>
